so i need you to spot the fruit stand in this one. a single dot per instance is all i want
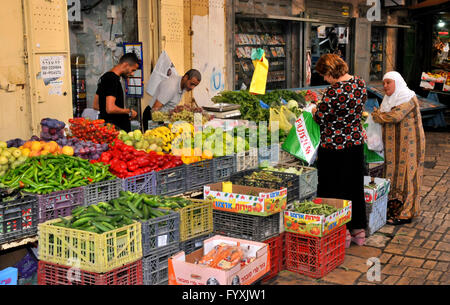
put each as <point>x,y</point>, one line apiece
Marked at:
<point>109,202</point>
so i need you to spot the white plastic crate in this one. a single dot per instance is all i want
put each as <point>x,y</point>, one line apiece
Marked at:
<point>376,199</point>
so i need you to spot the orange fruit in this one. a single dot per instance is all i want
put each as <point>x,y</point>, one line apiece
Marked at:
<point>34,153</point>
<point>207,154</point>
<point>47,147</point>
<point>26,152</point>
<point>44,152</point>
<point>36,146</point>
<point>67,150</point>
<point>53,146</point>
<point>27,144</point>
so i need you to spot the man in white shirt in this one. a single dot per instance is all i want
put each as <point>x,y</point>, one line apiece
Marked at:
<point>170,91</point>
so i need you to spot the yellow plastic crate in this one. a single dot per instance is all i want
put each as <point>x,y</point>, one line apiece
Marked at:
<point>87,250</point>
<point>196,219</point>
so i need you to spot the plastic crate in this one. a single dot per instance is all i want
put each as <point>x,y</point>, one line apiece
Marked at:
<point>247,159</point>
<point>156,266</point>
<point>308,179</point>
<point>171,181</point>
<point>243,226</point>
<point>102,191</point>
<point>376,214</point>
<point>193,244</point>
<point>269,154</point>
<point>60,203</point>
<point>196,219</point>
<point>289,181</point>
<point>54,274</point>
<point>141,184</point>
<point>286,157</point>
<point>223,168</point>
<point>199,174</point>
<point>160,232</point>
<point>376,170</point>
<point>8,276</point>
<point>283,251</point>
<point>87,250</point>
<point>276,255</point>
<point>315,256</point>
<point>18,218</point>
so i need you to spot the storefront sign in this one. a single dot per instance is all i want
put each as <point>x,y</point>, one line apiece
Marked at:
<point>74,10</point>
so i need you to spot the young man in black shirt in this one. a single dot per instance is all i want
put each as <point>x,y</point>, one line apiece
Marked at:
<point>109,99</point>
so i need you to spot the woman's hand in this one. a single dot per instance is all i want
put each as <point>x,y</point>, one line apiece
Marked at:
<point>376,115</point>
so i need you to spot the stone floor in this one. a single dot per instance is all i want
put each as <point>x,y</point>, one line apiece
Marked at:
<point>416,253</point>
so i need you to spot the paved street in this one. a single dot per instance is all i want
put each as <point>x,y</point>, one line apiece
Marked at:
<point>416,253</point>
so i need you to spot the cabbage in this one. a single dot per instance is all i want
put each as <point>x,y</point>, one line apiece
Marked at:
<point>292,104</point>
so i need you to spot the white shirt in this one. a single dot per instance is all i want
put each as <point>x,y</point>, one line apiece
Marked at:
<point>168,93</point>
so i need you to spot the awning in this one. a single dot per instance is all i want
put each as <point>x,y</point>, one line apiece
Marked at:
<point>427,3</point>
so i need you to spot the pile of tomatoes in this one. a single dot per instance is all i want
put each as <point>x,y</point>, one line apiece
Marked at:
<point>93,130</point>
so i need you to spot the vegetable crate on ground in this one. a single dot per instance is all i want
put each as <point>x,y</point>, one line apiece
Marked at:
<point>315,256</point>
<point>289,181</point>
<point>276,254</point>
<point>156,267</point>
<point>376,200</point>
<point>269,154</point>
<point>249,227</point>
<point>199,174</point>
<point>286,157</point>
<point>224,167</point>
<point>55,274</point>
<point>102,191</point>
<point>18,218</point>
<point>196,219</point>
<point>87,250</point>
<point>171,181</point>
<point>247,159</point>
<point>308,179</point>
<point>60,203</point>
<point>145,183</point>
<point>193,244</point>
<point>160,232</point>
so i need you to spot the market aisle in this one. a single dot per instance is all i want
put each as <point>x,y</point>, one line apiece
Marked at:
<point>416,253</point>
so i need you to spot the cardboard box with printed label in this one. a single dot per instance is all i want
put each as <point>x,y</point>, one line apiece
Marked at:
<point>319,225</point>
<point>246,199</point>
<point>379,189</point>
<point>183,269</point>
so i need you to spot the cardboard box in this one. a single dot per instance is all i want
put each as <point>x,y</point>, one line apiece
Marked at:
<point>246,199</point>
<point>380,189</point>
<point>317,225</point>
<point>184,271</point>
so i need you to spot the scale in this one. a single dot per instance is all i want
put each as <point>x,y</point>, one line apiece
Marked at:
<point>223,110</point>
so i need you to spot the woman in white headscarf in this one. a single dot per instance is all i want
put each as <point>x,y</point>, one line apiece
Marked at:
<point>404,144</point>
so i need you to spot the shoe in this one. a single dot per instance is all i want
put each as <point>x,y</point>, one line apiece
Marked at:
<point>398,221</point>
<point>348,239</point>
<point>359,238</point>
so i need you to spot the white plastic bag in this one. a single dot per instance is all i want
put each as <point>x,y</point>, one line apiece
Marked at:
<point>374,134</point>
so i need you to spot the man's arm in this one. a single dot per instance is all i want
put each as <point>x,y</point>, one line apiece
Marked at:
<point>157,105</point>
<point>111,107</point>
<point>96,106</point>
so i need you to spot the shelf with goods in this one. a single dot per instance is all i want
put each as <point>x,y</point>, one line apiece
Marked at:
<point>377,54</point>
<point>268,35</point>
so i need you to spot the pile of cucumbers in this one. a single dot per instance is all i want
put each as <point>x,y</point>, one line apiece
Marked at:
<point>122,211</point>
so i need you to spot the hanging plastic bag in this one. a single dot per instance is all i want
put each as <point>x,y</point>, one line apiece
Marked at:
<point>374,134</point>
<point>259,79</point>
<point>304,138</point>
<point>284,116</point>
<point>371,156</point>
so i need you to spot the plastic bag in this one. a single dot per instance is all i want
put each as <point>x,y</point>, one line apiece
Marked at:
<point>374,134</point>
<point>304,138</point>
<point>371,156</point>
<point>259,79</point>
<point>286,118</point>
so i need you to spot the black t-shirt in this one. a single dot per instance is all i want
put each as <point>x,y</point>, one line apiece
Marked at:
<point>109,85</point>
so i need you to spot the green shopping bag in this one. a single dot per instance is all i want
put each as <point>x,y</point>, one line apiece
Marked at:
<point>304,138</point>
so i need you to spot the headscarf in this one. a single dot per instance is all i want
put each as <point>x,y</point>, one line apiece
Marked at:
<point>402,93</point>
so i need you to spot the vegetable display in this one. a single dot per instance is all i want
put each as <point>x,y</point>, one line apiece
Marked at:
<point>47,174</point>
<point>10,158</point>
<point>52,130</point>
<point>312,208</point>
<point>84,149</point>
<point>290,170</point>
<point>126,161</point>
<point>107,216</point>
<point>93,130</point>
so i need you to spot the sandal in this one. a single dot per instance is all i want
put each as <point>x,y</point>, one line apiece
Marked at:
<point>359,238</point>
<point>348,239</point>
<point>398,221</point>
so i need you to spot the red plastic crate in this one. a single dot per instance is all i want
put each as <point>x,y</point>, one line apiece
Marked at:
<point>283,251</point>
<point>315,256</point>
<point>54,274</point>
<point>276,255</point>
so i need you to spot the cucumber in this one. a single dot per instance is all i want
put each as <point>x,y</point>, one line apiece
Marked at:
<point>100,227</point>
<point>135,211</point>
<point>81,222</point>
<point>108,225</point>
<point>103,218</point>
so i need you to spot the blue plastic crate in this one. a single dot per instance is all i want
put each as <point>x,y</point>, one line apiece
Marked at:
<point>8,276</point>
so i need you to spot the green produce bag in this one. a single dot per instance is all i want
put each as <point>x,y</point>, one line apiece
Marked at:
<point>371,156</point>
<point>304,138</point>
